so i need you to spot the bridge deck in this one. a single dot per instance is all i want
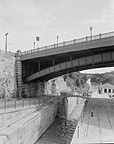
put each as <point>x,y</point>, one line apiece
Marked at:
<point>98,128</point>
<point>70,43</point>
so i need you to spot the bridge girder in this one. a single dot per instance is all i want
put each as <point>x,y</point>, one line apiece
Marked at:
<point>55,60</point>
<point>93,61</point>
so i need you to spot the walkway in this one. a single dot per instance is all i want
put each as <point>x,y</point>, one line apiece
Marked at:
<point>13,104</point>
<point>96,124</point>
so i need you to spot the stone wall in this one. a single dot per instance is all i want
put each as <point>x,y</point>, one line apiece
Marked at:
<point>29,128</point>
<point>7,76</point>
<point>33,89</point>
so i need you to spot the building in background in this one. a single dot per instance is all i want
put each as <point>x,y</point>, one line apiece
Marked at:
<point>108,88</point>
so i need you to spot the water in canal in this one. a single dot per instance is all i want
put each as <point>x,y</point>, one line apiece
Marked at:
<point>60,132</point>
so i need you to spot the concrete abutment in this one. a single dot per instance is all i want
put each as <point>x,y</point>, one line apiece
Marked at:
<point>26,89</point>
<point>28,125</point>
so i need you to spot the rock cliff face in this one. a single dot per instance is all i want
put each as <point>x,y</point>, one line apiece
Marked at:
<point>57,85</point>
<point>7,75</point>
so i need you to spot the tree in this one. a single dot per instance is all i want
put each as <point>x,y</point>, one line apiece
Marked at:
<point>75,80</point>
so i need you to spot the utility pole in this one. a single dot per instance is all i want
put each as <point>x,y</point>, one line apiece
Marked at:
<point>6,43</point>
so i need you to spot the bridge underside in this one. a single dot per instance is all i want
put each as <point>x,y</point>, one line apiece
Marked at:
<point>45,68</point>
<point>35,67</point>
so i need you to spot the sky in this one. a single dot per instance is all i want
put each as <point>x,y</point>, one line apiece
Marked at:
<point>25,20</point>
<point>98,70</point>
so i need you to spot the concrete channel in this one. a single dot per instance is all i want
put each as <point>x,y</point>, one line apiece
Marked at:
<point>23,122</point>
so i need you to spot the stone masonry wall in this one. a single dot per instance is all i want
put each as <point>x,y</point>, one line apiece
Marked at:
<point>7,76</point>
<point>33,89</point>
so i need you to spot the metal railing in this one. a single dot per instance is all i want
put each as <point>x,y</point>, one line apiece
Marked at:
<point>14,104</point>
<point>68,43</point>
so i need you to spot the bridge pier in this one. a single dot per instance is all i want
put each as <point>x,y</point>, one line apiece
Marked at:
<point>32,89</point>
<point>40,87</point>
<point>18,70</point>
<point>63,106</point>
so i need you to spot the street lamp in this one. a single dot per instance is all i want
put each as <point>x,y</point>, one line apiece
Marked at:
<point>6,43</point>
<point>37,39</point>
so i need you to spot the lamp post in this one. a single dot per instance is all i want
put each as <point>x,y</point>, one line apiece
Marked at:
<point>6,43</point>
<point>37,39</point>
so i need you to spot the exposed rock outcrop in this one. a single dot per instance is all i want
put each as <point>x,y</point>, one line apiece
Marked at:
<point>7,76</point>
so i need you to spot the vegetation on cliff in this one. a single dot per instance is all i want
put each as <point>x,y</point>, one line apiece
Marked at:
<point>107,77</point>
<point>76,81</point>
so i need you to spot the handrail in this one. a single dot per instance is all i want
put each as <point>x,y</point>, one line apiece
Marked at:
<point>75,41</point>
<point>27,102</point>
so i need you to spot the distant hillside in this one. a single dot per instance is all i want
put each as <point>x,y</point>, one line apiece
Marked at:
<point>107,77</point>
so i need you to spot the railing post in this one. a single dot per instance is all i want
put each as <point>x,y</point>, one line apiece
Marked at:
<point>74,41</point>
<point>78,132</point>
<point>5,105</point>
<point>23,103</point>
<point>81,120</point>
<point>15,104</point>
<point>100,36</point>
<point>29,102</point>
<point>63,43</point>
<point>77,101</point>
<point>39,101</point>
<point>91,114</point>
<point>86,38</point>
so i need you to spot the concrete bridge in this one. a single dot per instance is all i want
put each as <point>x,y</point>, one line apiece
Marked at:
<point>36,66</point>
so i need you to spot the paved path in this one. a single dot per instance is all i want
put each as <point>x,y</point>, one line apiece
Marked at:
<point>96,124</point>
<point>75,115</point>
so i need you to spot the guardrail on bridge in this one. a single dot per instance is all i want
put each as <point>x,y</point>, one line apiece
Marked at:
<point>75,41</point>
